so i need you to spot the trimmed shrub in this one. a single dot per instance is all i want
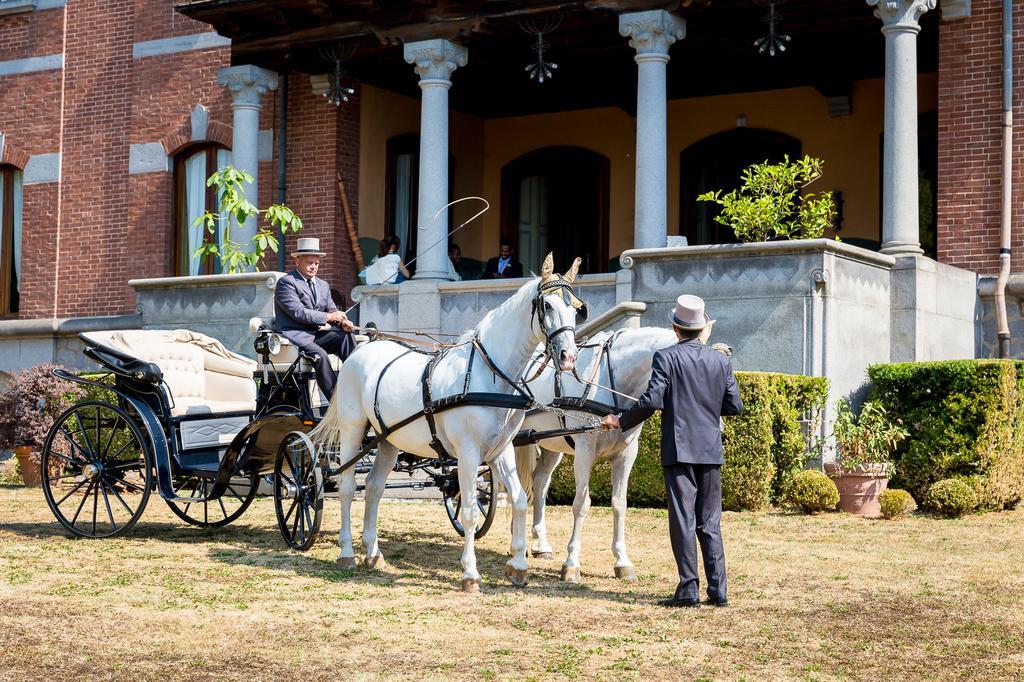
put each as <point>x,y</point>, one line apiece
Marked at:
<point>764,448</point>
<point>813,492</point>
<point>896,503</point>
<point>951,497</point>
<point>965,418</point>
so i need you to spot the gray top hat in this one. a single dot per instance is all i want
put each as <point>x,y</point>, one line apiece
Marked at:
<point>308,246</point>
<point>689,313</point>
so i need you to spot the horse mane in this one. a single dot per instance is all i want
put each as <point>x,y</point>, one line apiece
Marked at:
<point>524,295</point>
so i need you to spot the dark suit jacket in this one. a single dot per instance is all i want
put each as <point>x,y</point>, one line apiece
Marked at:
<point>693,386</point>
<point>513,269</point>
<point>295,316</point>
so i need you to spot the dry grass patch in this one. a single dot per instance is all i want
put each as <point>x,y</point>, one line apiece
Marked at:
<point>825,597</point>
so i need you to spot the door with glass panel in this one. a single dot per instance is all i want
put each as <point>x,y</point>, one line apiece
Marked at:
<point>533,222</point>
<point>193,198</point>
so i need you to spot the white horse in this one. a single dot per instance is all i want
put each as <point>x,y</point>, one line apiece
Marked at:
<point>629,354</point>
<point>381,384</point>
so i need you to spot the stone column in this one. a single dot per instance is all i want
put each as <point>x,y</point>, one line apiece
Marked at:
<point>246,84</point>
<point>651,34</point>
<point>900,230</point>
<point>435,60</point>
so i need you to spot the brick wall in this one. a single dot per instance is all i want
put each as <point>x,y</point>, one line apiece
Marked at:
<point>92,257</point>
<point>30,108</point>
<point>970,138</point>
<point>101,226</point>
<point>31,34</point>
<point>323,140</point>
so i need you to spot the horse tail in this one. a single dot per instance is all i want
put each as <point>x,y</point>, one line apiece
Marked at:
<point>526,463</point>
<point>327,434</point>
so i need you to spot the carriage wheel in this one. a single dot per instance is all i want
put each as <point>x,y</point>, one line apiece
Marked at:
<point>96,470</point>
<point>216,512</point>
<point>484,502</point>
<point>298,491</point>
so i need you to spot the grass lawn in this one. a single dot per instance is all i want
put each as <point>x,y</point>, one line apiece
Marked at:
<point>826,597</point>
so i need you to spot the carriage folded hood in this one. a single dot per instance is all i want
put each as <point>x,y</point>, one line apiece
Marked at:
<point>202,374</point>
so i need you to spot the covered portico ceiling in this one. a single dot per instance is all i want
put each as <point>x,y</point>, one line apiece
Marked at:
<point>833,43</point>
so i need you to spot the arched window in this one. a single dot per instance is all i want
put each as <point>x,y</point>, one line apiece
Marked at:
<point>556,199</point>
<point>10,240</point>
<point>717,162</point>
<point>192,198</point>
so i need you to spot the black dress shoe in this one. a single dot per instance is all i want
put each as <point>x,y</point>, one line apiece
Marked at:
<point>675,602</point>
<point>720,603</point>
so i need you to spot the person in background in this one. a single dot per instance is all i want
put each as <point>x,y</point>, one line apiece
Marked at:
<point>303,304</point>
<point>387,266</point>
<point>454,256</point>
<point>503,265</point>
<point>694,386</point>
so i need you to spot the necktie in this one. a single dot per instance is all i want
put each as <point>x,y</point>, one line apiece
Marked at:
<point>312,291</point>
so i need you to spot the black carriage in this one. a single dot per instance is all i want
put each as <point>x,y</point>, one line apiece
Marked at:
<point>178,413</point>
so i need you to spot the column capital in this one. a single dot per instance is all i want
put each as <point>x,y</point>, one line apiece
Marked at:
<point>901,15</point>
<point>435,60</point>
<point>651,33</point>
<point>246,83</point>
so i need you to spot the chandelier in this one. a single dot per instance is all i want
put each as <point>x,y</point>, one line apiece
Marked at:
<point>336,92</point>
<point>774,41</point>
<point>540,69</point>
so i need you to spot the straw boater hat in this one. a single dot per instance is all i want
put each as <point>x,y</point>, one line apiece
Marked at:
<point>689,313</point>
<point>308,246</point>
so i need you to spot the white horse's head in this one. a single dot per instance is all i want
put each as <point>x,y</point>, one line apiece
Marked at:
<point>557,309</point>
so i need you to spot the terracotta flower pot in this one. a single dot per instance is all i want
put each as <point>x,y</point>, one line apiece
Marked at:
<point>30,473</point>
<point>860,488</point>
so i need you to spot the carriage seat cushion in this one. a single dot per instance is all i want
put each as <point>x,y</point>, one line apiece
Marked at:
<point>203,376</point>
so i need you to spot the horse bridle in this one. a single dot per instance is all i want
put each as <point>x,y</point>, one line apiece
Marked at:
<point>570,298</point>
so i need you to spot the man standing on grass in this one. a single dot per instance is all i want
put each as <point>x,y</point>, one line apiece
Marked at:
<point>694,386</point>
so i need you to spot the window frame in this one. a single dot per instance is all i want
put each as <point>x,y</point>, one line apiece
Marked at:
<point>7,240</point>
<point>179,251</point>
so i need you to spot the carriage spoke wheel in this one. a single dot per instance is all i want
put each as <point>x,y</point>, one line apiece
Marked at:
<point>485,504</point>
<point>216,512</point>
<point>96,470</point>
<point>298,491</point>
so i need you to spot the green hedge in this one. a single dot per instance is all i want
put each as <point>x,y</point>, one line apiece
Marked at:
<point>764,448</point>
<point>966,420</point>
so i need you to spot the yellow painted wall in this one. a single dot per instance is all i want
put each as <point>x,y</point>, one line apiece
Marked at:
<point>849,146</point>
<point>383,116</point>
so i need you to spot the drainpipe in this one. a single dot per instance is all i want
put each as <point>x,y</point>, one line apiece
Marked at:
<point>282,114</point>
<point>1004,228</point>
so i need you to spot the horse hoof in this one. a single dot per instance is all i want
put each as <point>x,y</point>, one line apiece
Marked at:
<point>347,562</point>
<point>570,574</point>
<point>625,573</point>
<point>544,556</point>
<point>517,576</point>
<point>471,585</point>
<point>375,562</point>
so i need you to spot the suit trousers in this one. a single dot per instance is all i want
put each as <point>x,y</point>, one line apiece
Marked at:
<point>331,341</point>
<point>695,514</point>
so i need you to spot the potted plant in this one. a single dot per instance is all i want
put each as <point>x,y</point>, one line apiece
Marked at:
<point>221,305</point>
<point>240,256</point>
<point>863,455</point>
<point>769,204</point>
<point>27,409</point>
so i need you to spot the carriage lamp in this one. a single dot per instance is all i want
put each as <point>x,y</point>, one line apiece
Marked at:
<point>267,344</point>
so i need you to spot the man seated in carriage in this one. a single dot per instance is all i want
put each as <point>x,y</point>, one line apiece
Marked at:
<point>303,304</point>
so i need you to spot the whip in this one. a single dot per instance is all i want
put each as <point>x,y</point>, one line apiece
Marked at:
<point>476,215</point>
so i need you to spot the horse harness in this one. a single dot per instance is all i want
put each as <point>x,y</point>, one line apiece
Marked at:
<point>522,398</point>
<point>583,403</point>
